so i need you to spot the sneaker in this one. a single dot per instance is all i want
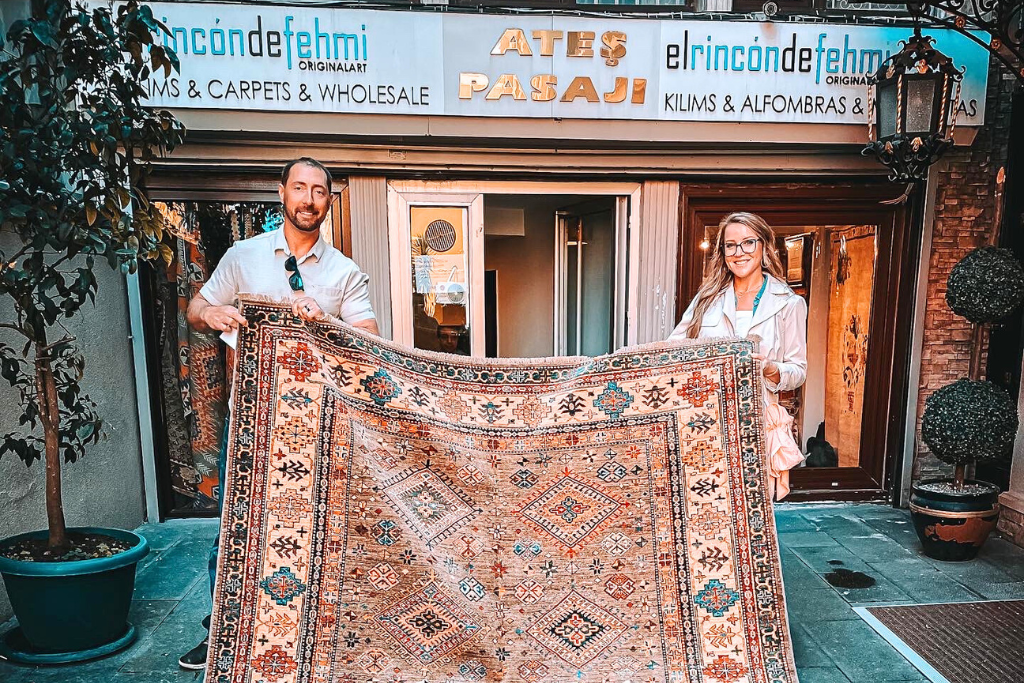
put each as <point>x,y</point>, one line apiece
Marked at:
<point>195,659</point>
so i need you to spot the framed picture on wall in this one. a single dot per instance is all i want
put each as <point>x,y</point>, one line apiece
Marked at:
<point>795,259</point>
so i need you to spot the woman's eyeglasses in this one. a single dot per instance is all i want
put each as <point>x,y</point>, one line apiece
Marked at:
<point>745,247</point>
<point>294,278</point>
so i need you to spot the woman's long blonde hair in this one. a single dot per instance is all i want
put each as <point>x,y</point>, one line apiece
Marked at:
<point>717,275</point>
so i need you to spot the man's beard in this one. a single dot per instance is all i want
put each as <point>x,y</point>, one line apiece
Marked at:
<point>293,218</point>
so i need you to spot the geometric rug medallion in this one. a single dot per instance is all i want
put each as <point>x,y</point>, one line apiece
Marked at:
<point>395,515</point>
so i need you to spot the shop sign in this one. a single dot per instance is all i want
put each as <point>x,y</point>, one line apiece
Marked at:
<point>317,59</point>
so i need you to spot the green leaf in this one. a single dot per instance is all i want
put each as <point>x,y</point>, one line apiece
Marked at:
<point>9,370</point>
<point>43,33</point>
<point>86,430</point>
<point>172,57</point>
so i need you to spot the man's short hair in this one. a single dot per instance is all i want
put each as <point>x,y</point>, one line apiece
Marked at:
<point>307,161</point>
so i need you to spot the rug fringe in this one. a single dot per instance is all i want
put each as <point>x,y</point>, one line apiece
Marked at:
<point>548,361</point>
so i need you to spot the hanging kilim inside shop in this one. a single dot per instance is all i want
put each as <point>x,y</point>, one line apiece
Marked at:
<point>194,393</point>
<point>394,515</point>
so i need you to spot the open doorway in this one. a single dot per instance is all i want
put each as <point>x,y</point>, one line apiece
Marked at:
<point>833,268</point>
<point>554,261</point>
<point>850,255</point>
<point>510,269</point>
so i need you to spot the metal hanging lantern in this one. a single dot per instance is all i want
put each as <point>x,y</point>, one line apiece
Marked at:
<point>913,100</point>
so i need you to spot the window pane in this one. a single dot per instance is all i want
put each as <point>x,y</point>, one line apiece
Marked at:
<point>440,299</point>
<point>920,100</point>
<point>886,110</point>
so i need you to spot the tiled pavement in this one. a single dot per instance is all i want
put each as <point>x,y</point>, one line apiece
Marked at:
<point>833,644</point>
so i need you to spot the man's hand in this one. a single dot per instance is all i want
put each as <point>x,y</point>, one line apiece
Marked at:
<point>222,318</point>
<point>307,308</point>
<point>207,318</point>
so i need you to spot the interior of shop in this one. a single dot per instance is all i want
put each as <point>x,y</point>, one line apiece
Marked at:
<point>549,285</point>
<point>529,242</point>
<point>832,268</point>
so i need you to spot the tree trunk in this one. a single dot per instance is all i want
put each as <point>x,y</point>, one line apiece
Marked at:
<point>975,370</point>
<point>959,474</point>
<point>976,373</point>
<point>49,409</point>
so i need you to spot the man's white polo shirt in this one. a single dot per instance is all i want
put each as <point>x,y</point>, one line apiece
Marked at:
<point>256,266</point>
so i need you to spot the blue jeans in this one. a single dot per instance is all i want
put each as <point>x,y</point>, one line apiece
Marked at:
<point>222,466</point>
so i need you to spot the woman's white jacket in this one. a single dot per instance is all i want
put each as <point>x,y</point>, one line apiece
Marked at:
<point>780,322</point>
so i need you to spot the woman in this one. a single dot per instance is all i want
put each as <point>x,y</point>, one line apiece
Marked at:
<point>744,295</point>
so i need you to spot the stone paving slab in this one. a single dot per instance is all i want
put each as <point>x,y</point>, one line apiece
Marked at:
<point>876,547</point>
<point>172,574</point>
<point>179,633</point>
<point>806,653</point>
<point>816,674</point>
<point>832,644</point>
<point>860,653</point>
<point>1003,591</point>
<point>923,582</point>
<point>797,577</point>
<point>826,561</point>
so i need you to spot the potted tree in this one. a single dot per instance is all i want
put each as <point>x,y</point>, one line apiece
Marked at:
<point>969,420</point>
<point>75,146</point>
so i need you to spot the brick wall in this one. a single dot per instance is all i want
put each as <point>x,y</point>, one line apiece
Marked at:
<point>964,212</point>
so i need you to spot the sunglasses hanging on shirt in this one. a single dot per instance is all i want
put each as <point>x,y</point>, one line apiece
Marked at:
<point>294,277</point>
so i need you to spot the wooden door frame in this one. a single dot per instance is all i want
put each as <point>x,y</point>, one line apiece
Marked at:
<point>199,187</point>
<point>886,382</point>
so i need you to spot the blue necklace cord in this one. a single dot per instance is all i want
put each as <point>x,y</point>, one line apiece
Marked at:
<point>757,299</point>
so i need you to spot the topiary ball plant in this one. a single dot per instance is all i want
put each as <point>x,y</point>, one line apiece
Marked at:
<point>968,421</point>
<point>985,285</point>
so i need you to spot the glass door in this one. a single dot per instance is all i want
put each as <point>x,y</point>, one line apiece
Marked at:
<point>440,276</point>
<point>437,272</point>
<point>585,279</point>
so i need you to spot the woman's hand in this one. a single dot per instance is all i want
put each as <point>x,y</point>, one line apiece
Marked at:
<point>769,369</point>
<point>307,308</point>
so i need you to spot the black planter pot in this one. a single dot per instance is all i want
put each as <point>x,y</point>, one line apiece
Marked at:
<point>71,611</point>
<point>953,525</point>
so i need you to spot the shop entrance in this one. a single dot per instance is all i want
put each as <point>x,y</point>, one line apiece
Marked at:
<point>189,376</point>
<point>510,269</point>
<point>849,255</point>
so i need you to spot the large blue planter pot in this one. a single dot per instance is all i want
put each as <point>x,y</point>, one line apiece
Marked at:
<point>71,611</point>
<point>952,525</point>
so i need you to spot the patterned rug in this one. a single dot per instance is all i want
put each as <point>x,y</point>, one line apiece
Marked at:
<point>393,515</point>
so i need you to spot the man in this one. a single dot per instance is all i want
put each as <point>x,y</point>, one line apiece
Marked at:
<point>293,264</point>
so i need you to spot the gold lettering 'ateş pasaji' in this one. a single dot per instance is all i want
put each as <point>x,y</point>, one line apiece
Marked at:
<point>577,44</point>
<point>544,87</point>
